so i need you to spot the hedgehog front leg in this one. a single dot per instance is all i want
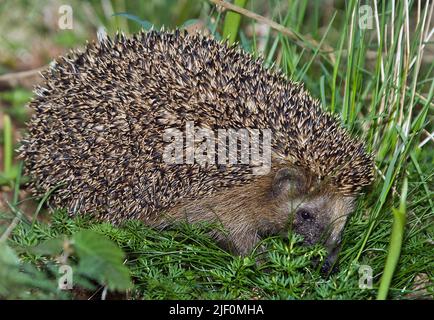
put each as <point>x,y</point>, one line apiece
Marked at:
<point>236,234</point>
<point>239,241</point>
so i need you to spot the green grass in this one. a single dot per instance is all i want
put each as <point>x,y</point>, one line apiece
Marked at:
<point>7,143</point>
<point>180,263</point>
<point>232,23</point>
<point>398,228</point>
<point>380,82</point>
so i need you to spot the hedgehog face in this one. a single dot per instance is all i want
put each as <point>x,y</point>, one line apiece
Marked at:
<point>322,219</point>
<point>319,216</point>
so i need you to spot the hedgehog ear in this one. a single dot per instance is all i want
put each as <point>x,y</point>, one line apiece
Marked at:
<point>288,181</point>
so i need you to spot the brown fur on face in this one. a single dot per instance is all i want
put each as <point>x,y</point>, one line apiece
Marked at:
<point>270,205</point>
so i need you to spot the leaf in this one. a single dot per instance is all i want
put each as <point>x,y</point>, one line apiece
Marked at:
<point>7,256</point>
<point>51,247</point>
<point>102,260</point>
<point>144,23</point>
<point>17,279</point>
<point>190,22</point>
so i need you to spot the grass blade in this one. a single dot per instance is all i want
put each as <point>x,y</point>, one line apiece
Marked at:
<point>232,22</point>
<point>7,148</point>
<point>395,244</point>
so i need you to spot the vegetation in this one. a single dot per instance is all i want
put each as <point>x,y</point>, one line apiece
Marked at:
<point>376,73</point>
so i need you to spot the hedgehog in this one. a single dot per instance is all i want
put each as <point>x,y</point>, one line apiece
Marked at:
<point>99,137</point>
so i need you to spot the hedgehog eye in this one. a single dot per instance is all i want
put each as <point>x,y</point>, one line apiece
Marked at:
<point>305,215</point>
